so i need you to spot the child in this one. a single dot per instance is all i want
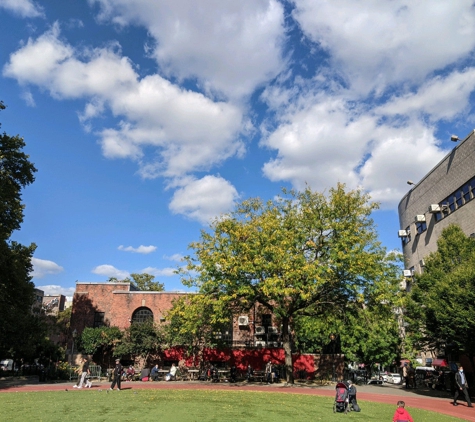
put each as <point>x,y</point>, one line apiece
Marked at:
<point>401,414</point>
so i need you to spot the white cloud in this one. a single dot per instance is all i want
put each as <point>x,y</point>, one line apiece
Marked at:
<point>110,271</point>
<point>23,8</point>
<point>376,43</point>
<point>54,290</point>
<point>159,272</point>
<point>204,199</point>
<point>324,139</point>
<point>43,267</point>
<point>174,122</point>
<point>141,249</point>
<point>229,46</point>
<point>442,97</point>
<point>175,257</point>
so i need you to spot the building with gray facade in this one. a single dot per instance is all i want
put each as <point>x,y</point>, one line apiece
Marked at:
<point>444,196</point>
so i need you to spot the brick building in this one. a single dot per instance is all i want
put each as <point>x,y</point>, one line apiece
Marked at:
<point>444,196</point>
<point>251,338</point>
<point>120,304</point>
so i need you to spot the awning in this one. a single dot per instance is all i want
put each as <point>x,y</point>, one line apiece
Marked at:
<point>439,362</point>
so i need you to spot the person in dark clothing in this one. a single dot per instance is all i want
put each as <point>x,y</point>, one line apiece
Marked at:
<point>154,374</point>
<point>250,373</point>
<point>117,375</point>
<point>233,374</point>
<point>461,385</point>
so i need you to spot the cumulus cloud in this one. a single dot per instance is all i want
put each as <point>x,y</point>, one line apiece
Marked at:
<point>110,271</point>
<point>204,199</point>
<point>231,47</point>
<point>141,249</point>
<point>175,257</point>
<point>160,272</point>
<point>23,8</point>
<point>324,139</point>
<point>380,43</point>
<point>55,290</point>
<point>43,267</point>
<point>153,112</point>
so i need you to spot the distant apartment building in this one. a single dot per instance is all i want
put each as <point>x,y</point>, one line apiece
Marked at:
<point>37,301</point>
<point>54,304</point>
<point>444,196</point>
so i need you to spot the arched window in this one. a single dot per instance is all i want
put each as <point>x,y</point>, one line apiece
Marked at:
<point>142,315</point>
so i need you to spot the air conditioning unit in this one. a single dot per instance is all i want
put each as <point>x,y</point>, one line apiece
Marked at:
<point>243,320</point>
<point>420,218</point>
<point>272,330</point>
<point>260,330</point>
<point>261,344</point>
<point>403,233</point>
<point>433,208</point>
<point>408,273</point>
<point>273,344</point>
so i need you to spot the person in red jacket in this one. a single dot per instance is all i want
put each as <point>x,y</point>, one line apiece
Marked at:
<point>401,414</point>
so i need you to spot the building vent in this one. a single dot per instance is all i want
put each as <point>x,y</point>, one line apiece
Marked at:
<point>433,208</point>
<point>260,329</point>
<point>408,273</point>
<point>420,218</point>
<point>243,320</point>
<point>403,233</point>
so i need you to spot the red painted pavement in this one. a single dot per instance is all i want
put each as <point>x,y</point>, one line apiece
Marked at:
<point>440,405</point>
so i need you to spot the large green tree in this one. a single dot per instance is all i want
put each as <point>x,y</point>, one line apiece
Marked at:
<point>440,311</point>
<point>16,288</point>
<point>196,322</point>
<point>140,340</point>
<point>142,281</point>
<point>306,253</point>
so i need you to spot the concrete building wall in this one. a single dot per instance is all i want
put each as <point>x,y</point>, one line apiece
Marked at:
<point>444,180</point>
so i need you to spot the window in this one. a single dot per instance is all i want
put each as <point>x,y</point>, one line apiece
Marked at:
<point>407,239</point>
<point>421,226</point>
<point>267,320</point>
<point>454,201</point>
<point>142,315</point>
<point>99,319</point>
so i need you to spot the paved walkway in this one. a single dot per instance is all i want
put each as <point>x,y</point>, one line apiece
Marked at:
<point>436,401</point>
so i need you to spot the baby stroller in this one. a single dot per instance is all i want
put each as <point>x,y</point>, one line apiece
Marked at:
<point>341,398</point>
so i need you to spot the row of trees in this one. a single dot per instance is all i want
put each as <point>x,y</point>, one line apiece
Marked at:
<point>310,259</point>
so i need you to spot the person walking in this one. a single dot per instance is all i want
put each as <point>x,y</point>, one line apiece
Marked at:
<point>405,375</point>
<point>84,372</point>
<point>461,385</point>
<point>78,371</point>
<point>117,375</point>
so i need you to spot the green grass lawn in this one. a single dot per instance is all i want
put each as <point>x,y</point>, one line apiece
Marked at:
<point>189,405</point>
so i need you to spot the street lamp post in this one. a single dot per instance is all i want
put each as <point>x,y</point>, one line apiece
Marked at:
<point>75,333</point>
<point>332,342</point>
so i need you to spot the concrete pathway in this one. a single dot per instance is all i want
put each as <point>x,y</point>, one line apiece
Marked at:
<point>436,401</point>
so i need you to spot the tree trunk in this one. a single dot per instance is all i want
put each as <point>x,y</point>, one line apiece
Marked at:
<point>286,339</point>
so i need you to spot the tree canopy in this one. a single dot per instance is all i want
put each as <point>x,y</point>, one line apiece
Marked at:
<point>440,311</point>
<point>143,281</point>
<point>16,288</point>
<point>305,254</point>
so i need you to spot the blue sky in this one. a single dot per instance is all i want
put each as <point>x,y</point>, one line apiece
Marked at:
<point>147,118</point>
